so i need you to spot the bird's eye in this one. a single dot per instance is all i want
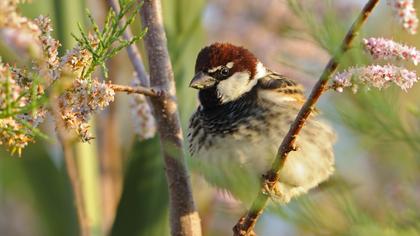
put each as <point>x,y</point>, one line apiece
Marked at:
<point>224,71</point>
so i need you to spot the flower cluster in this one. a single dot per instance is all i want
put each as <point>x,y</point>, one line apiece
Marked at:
<point>406,14</point>
<point>380,76</point>
<point>22,94</point>
<point>19,32</point>
<point>376,76</point>
<point>12,135</point>
<point>78,102</point>
<point>84,95</point>
<point>386,49</point>
<point>142,117</point>
<point>19,89</point>
<point>18,130</point>
<point>50,58</point>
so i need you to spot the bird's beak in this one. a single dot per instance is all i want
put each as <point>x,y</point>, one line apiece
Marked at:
<point>202,81</point>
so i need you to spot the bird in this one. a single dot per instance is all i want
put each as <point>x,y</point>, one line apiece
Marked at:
<point>244,112</point>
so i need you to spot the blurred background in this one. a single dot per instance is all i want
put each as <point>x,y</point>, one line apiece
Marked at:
<point>376,187</point>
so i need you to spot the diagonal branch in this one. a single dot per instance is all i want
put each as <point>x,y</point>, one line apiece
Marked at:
<point>132,50</point>
<point>246,225</point>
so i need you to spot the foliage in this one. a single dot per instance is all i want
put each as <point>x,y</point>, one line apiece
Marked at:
<point>26,91</point>
<point>381,201</point>
<point>374,192</point>
<point>106,43</point>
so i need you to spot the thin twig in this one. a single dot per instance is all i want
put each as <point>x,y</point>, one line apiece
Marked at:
<point>138,89</point>
<point>132,50</point>
<point>183,214</point>
<point>246,224</point>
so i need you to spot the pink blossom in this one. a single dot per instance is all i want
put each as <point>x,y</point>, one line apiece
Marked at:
<point>406,14</point>
<point>376,76</point>
<point>381,48</point>
<point>20,33</point>
<point>21,41</point>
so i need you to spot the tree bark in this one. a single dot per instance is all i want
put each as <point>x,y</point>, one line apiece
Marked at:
<point>183,215</point>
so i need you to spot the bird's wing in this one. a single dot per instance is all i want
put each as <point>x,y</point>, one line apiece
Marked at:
<point>282,86</point>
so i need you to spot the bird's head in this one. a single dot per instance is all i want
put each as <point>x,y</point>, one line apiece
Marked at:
<point>225,72</point>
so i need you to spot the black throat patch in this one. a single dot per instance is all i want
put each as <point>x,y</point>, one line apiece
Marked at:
<point>211,103</point>
<point>225,118</point>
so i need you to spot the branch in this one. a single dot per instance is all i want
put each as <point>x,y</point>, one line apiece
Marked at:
<point>183,214</point>
<point>138,89</point>
<point>132,51</point>
<point>246,224</point>
<point>184,217</point>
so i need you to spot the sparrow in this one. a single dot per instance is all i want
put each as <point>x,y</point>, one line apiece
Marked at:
<point>244,112</point>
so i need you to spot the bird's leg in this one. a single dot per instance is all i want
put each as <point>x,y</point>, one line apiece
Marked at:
<point>274,192</point>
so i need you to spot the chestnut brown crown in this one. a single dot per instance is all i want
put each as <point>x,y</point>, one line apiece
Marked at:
<point>220,54</point>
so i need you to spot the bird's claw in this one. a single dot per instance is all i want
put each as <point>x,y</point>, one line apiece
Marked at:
<point>270,188</point>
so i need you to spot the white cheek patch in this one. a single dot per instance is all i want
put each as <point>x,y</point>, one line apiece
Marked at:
<point>235,86</point>
<point>260,71</point>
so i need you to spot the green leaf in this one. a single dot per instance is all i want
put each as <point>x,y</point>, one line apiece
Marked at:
<point>143,209</point>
